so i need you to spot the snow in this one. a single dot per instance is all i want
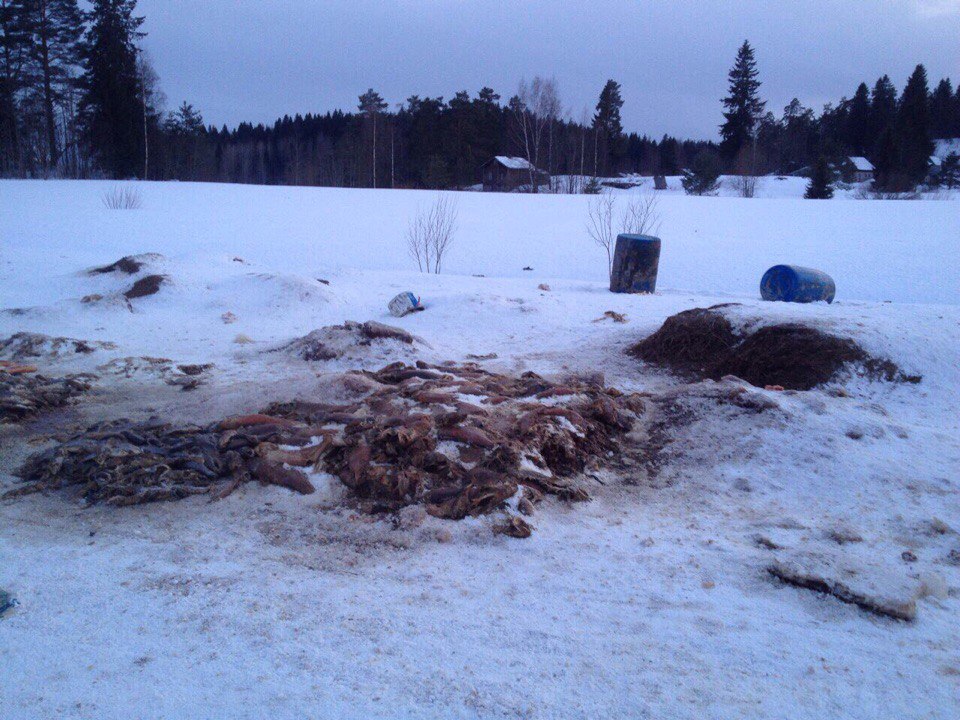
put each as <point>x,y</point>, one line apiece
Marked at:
<point>945,146</point>
<point>861,163</point>
<point>652,600</point>
<point>514,163</point>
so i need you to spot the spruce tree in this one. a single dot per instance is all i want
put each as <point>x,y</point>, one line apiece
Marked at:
<point>858,122</point>
<point>820,186</point>
<point>743,107</point>
<point>941,109</point>
<point>913,128</point>
<point>702,175</point>
<point>607,126</point>
<point>112,107</point>
<point>883,109</point>
<point>950,171</point>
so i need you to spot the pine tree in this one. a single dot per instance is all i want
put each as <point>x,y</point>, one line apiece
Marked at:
<point>371,105</point>
<point>15,43</point>
<point>701,178</point>
<point>112,106</point>
<point>607,127</point>
<point>820,186</point>
<point>743,107</point>
<point>913,128</point>
<point>858,122</point>
<point>56,27</point>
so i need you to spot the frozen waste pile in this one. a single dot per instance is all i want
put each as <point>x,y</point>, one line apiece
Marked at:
<point>459,439</point>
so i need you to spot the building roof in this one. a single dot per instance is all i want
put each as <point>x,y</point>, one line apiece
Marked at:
<point>514,163</point>
<point>944,146</point>
<point>861,163</point>
<point>935,161</point>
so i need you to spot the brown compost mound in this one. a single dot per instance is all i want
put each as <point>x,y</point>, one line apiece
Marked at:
<point>794,356</point>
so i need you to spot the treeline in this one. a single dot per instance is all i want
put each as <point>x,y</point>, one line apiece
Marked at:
<point>894,132</point>
<point>78,98</point>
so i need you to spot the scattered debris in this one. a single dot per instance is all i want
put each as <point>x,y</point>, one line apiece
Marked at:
<point>908,556</point>
<point>612,315</point>
<point>145,286</point>
<point>899,608</point>
<point>515,526</point>
<point>334,341</point>
<point>544,287</point>
<point>25,395</point>
<point>186,377</point>
<point>488,356</point>
<point>242,339</point>
<point>87,299</point>
<point>34,345</point>
<point>791,356</point>
<point>322,281</point>
<point>12,368</point>
<point>404,304</point>
<point>7,603</point>
<point>844,535</point>
<point>528,269</point>
<point>130,264</point>
<point>228,318</point>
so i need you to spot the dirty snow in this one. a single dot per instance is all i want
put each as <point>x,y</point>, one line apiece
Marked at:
<point>652,600</point>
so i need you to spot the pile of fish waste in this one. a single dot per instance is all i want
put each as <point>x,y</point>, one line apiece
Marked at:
<point>23,393</point>
<point>459,439</point>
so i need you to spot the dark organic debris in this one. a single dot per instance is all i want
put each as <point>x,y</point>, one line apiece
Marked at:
<point>789,355</point>
<point>129,265</point>
<point>122,463</point>
<point>148,285</point>
<point>24,395</point>
<point>899,609</point>
<point>692,340</point>
<point>333,341</point>
<point>411,439</point>
<point>33,345</point>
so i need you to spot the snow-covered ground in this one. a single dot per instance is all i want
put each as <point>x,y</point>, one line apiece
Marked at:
<point>652,600</point>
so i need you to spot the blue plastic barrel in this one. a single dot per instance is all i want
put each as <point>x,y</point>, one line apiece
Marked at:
<point>635,264</point>
<point>792,283</point>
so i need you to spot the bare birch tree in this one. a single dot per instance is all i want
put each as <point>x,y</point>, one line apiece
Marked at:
<point>534,109</point>
<point>431,233</point>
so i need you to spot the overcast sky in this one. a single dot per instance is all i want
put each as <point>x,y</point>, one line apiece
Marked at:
<point>257,60</point>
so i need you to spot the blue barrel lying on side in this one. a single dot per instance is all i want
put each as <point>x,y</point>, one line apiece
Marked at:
<point>636,260</point>
<point>792,283</point>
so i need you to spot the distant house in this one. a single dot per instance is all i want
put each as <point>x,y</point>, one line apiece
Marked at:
<point>505,174</point>
<point>857,169</point>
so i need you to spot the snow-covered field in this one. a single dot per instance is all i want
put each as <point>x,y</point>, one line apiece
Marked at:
<point>652,600</point>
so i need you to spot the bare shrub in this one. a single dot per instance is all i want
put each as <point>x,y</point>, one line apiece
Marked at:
<point>122,198</point>
<point>639,217</point>
<point>600,224</point>
<point>745,185</point>
<point>431,233</point>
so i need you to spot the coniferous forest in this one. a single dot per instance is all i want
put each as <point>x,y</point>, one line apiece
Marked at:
<point>79,99</point>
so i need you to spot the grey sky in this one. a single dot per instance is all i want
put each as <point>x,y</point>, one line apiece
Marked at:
<point>259,59</point>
